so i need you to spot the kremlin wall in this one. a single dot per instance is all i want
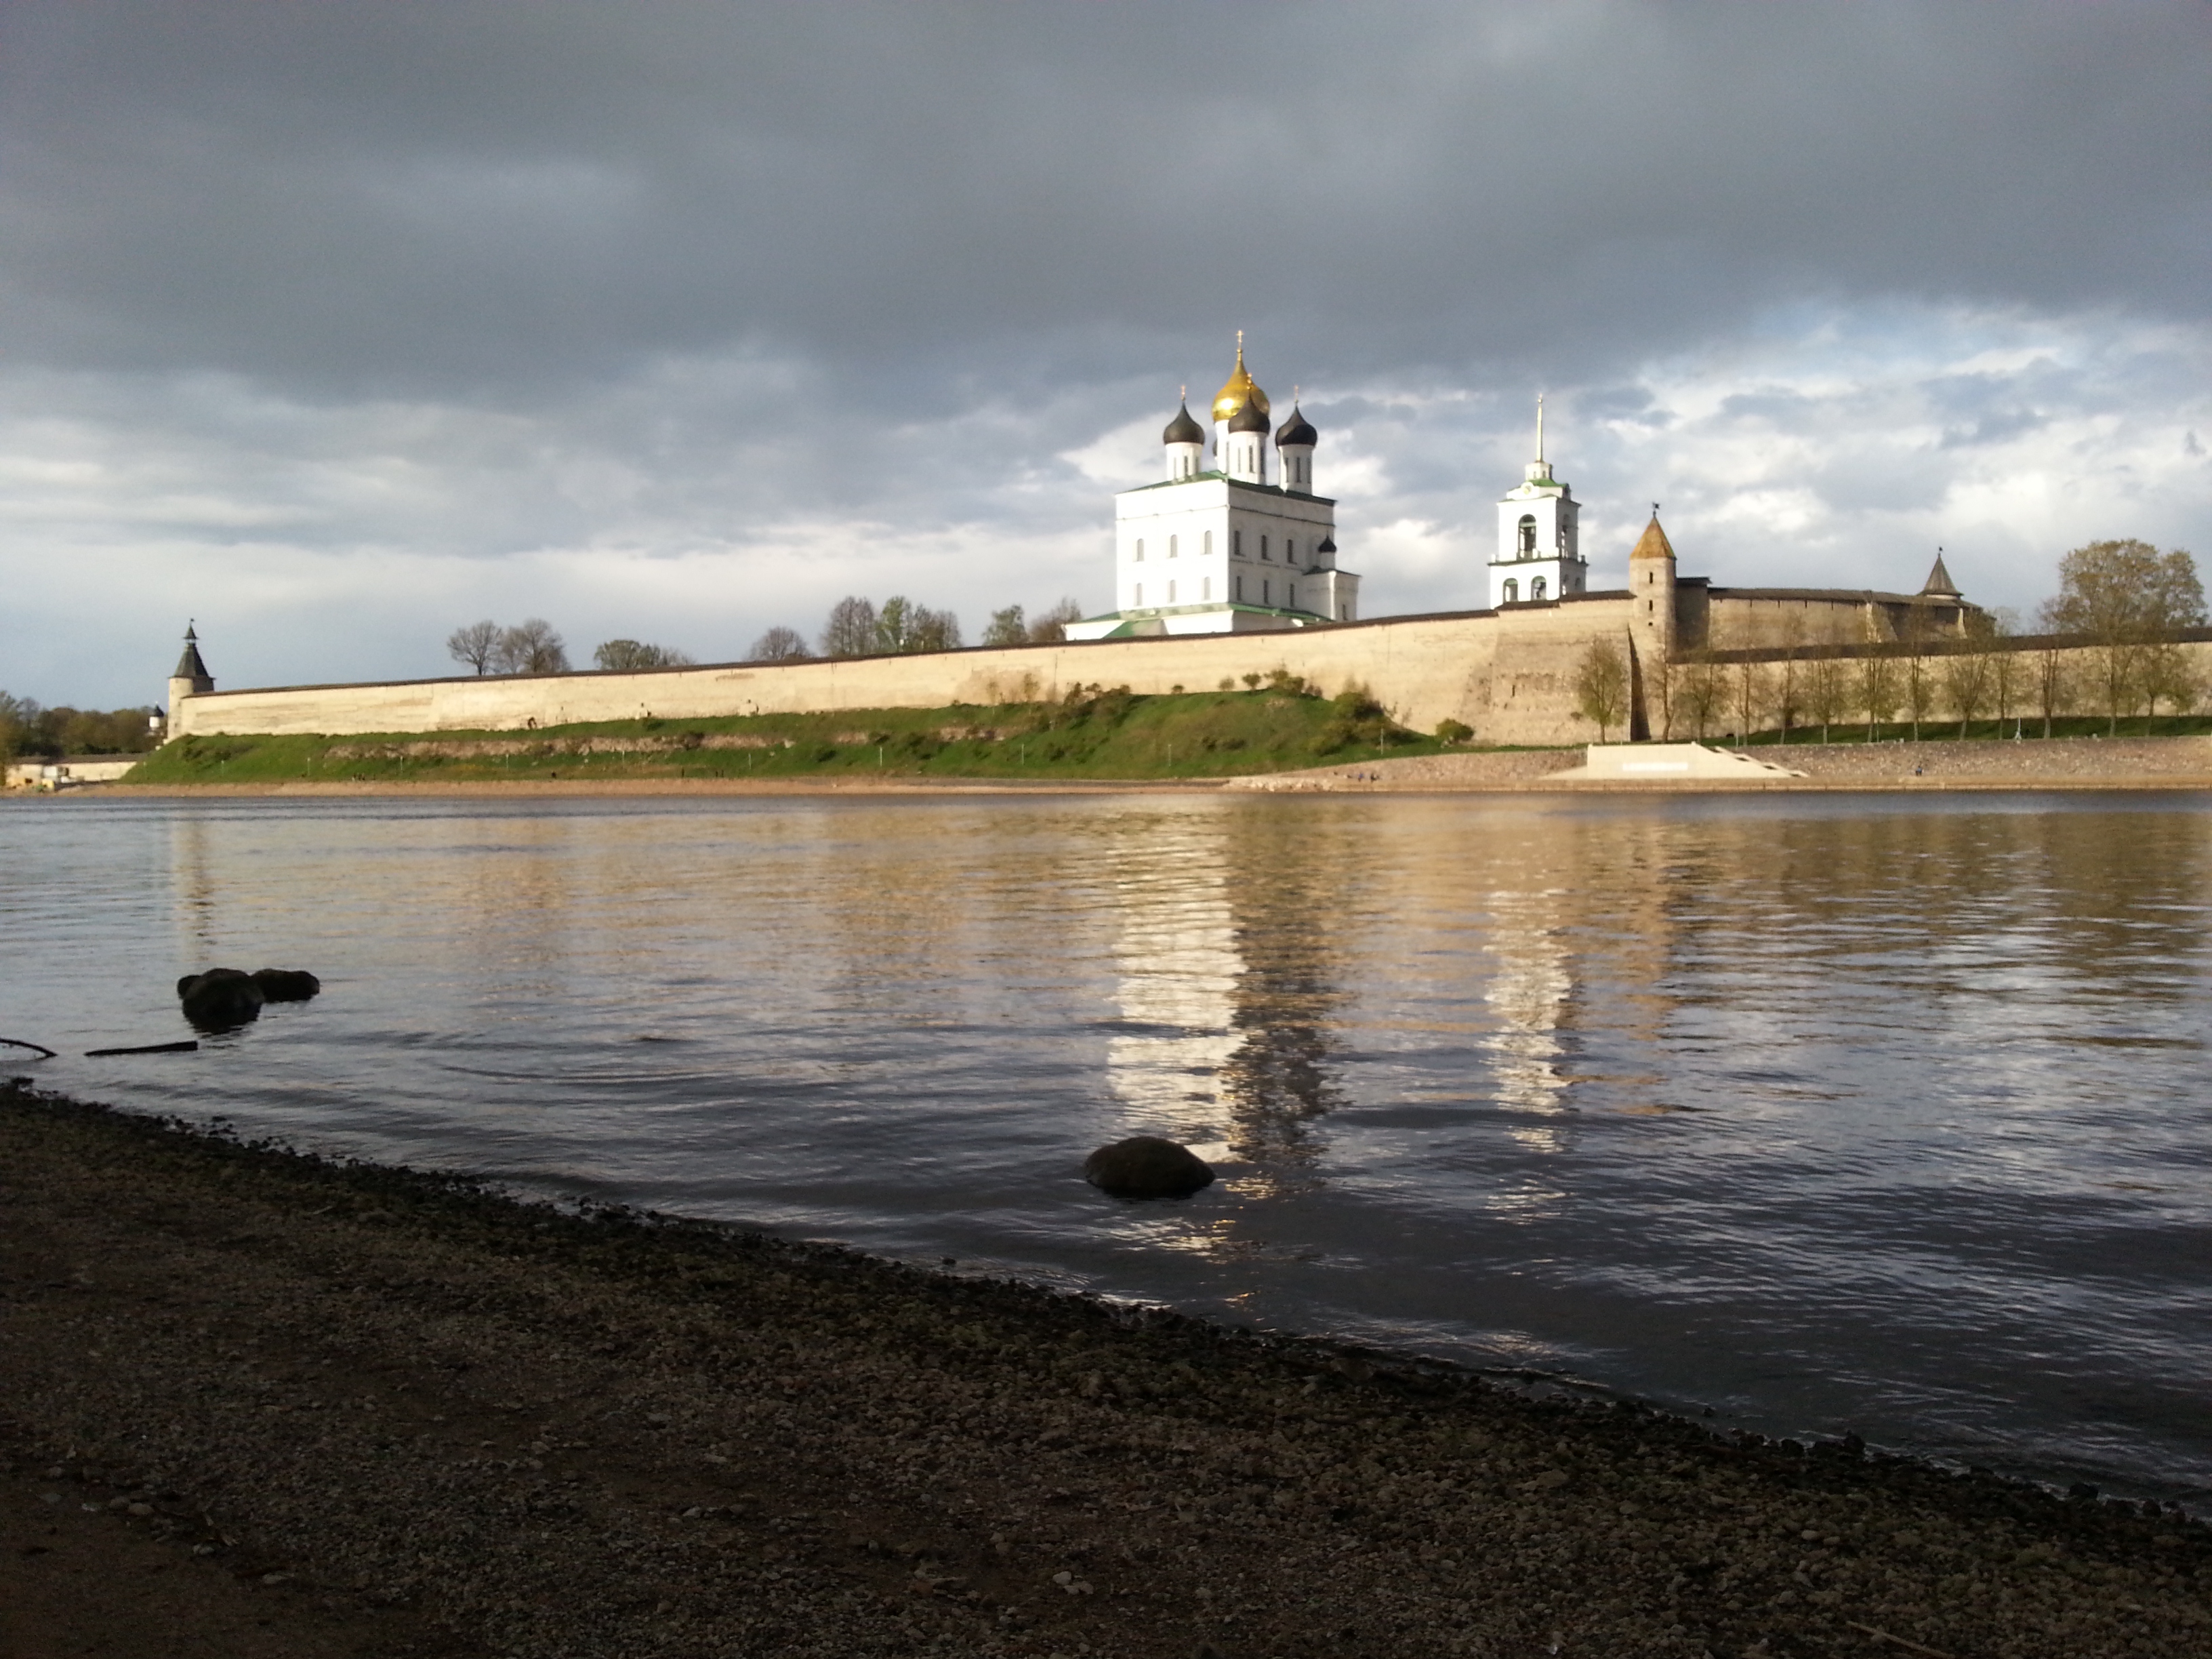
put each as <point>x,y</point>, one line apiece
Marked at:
<point>1242,579</point>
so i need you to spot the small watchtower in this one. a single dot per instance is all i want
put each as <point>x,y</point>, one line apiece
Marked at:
<point>190,679</point>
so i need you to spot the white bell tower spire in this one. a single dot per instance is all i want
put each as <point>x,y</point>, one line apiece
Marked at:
<point>1539,558</point>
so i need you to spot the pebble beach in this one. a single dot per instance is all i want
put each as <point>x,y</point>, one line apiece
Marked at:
<point>253,1401</point>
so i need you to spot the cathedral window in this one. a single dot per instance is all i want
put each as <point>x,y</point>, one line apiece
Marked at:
<point>1140,597</point>
<point>1512,592</point>
<point>1240,590</point>
<point>1527,535</point>
<point>1139,558</point>
<point>1263,547</point>
<point>1209,546</point>
<point>1266,589</point>
<point>1237,543</point>
<point>1205,587</point>
<point>1292,601</point>
<point>1171,592</point>
<point>1175,546</point>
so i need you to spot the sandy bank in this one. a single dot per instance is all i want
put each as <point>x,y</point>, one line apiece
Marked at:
<point>353,1411</point>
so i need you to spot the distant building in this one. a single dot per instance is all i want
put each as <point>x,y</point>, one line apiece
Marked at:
<point>1221,550</point>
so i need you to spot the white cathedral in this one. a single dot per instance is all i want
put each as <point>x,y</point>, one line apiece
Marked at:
<point>1221,550</point>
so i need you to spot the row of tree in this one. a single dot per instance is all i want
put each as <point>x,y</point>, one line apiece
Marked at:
<point>27,729</point>
<point>535,646</point>
<point>2113,646</point>
<point>857,626</point>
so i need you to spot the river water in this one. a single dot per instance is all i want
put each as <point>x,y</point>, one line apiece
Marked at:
<point>1823,1114</point>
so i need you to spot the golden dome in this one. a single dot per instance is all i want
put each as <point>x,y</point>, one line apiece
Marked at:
<point>1237,389</point>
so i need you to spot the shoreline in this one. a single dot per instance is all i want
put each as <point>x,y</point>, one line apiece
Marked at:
<point>400,1413</point>
<point>2069,765</point>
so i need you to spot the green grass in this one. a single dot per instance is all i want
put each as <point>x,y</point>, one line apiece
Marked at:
<point>1092,733</point>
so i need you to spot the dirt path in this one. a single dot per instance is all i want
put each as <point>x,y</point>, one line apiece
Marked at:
<point>254,1404</point>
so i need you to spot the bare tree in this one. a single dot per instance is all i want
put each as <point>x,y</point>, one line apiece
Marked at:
<point>1703,692</point>
<point>1753,695</point>
<point>933,630</point>
<point>779,644</point>
<point>475,645</point>
<point>1602,685</point>
<point>851,629</point>
<point>1050,627</point>
<point>1919,681</point>
<point>1877,688</point>
<point>2054,685</point>
<point>1966,677</point>
<point>634,653</point>
<point>1827,691</point>
<point>532,646</point>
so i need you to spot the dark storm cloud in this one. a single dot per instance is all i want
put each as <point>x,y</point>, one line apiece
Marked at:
<point>499,195</point>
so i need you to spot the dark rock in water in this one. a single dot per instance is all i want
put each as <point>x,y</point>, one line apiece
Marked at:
<point>1145,1166</point>
<point>286,984</point>
<point>220,999</point>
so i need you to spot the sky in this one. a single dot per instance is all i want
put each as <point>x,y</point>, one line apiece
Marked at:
<point>332,326</point>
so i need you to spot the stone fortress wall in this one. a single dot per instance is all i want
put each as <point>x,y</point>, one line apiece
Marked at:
<point>1508,674</point>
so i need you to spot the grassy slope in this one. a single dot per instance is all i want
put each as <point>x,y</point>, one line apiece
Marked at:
<point>1109,734</point>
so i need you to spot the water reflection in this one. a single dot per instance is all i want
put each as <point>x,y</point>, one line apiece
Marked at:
<point>1227,974</point>
<point>1838,1112</point>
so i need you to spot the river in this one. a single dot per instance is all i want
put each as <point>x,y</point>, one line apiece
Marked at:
<point>1820,1115</point>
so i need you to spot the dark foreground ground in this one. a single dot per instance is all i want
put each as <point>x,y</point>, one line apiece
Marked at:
<point>252,1404</point>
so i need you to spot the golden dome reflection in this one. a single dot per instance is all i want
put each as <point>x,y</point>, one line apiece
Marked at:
<point>1237,388</point>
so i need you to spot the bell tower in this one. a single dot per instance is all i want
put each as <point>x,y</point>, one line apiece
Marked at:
<point>1539,558</point>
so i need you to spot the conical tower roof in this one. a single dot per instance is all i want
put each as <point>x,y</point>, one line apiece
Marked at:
<point>189,666</point>
<point>1939,583</point>
<point>1653,544</point>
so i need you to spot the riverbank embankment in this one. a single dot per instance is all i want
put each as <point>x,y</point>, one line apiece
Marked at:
<point>2176,763</point>
<point>260,1403</point>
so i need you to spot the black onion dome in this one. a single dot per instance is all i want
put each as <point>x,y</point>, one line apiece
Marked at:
<point>1327,544</point>
<point>1182,429</point>
<point>1297,430</point>
<point>1250,419</point>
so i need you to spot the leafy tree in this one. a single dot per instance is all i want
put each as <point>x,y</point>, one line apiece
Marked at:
<point>1007,628</point>
<point>1450,731</point>
<point>851,629</point>
<point>18,726</point>
<point>2128,599</point>
<point>477,645</point>
<point>2167,678</point>
<point>532,646</point>
<point>632,654</point>
<point>903,627</point>
<point>1602,685</point>
<point>779,644</point>
<point>1051,627</point>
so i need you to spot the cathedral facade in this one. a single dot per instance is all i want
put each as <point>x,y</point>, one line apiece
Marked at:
<point>1227,548</point>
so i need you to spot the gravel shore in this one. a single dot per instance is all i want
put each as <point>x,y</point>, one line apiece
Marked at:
<point>255,1403</point>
